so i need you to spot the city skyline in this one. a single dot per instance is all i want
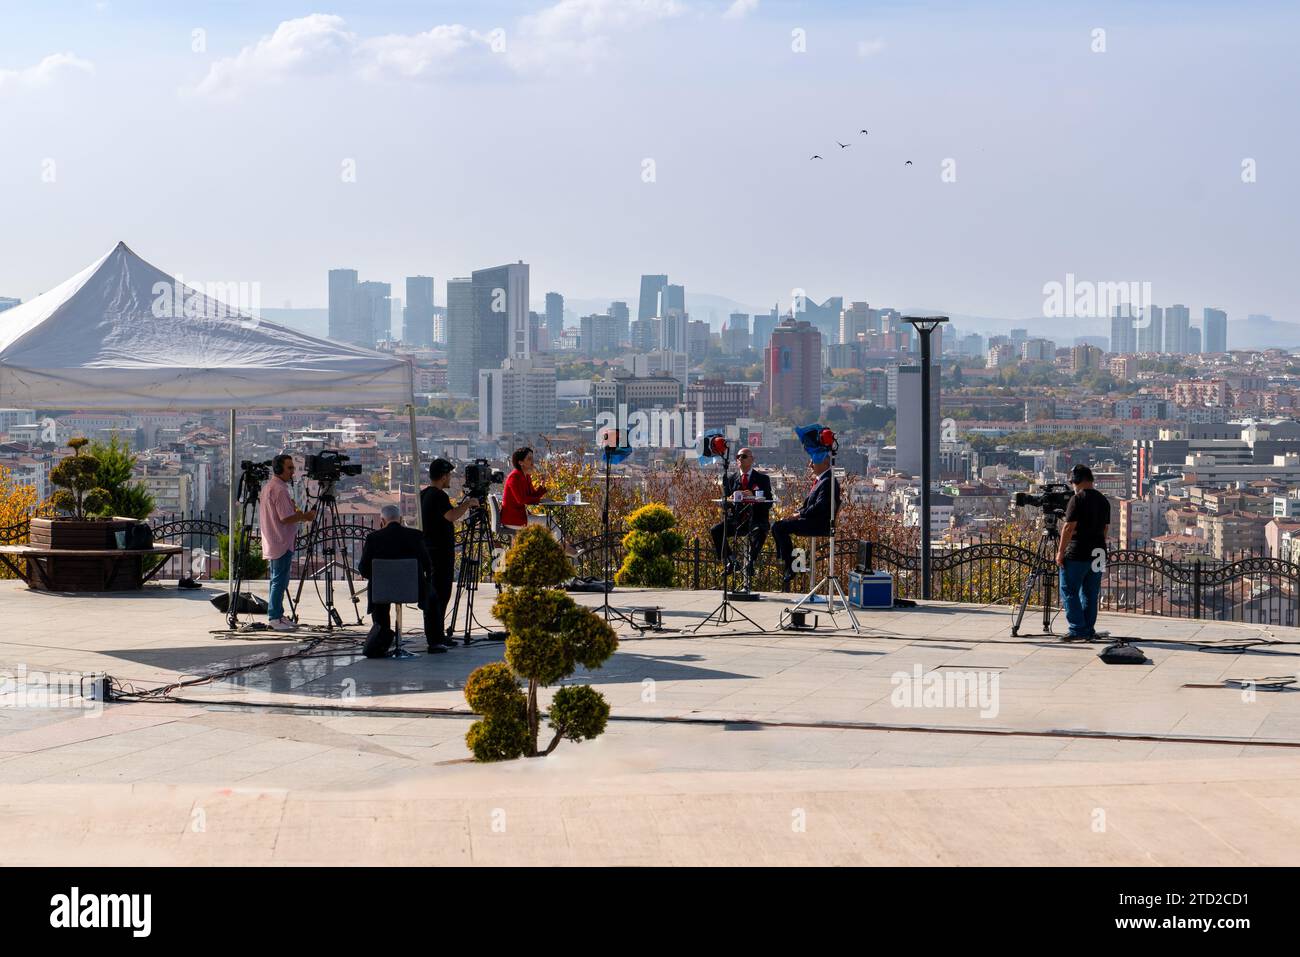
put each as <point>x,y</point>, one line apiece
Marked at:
<point>1044,169</point>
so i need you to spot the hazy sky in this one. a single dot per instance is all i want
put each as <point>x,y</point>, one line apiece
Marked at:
<point>228,163</point>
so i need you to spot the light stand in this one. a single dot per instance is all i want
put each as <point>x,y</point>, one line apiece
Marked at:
<point>725,614</point>
<point>925,326</point>
<point>609,453</point>
<point>830,583</point>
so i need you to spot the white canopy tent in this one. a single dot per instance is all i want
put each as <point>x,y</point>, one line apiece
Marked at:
<point>123,334</point>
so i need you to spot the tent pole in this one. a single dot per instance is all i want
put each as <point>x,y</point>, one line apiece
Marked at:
<point>230,538</point>
<point>415,468</point>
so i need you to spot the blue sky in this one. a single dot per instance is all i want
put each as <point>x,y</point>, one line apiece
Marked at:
<point>472,148</point>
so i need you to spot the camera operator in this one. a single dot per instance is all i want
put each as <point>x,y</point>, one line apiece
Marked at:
<point>439,517</point>
<point>1083,542</point>
<point>278,519</point>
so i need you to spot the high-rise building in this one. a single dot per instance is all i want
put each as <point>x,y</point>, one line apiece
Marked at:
<point>518,397</point>
<point>417,320</point>
<point>462,373</point>
<point>764,323</point>
<point>792,370</point>
<point>501,312</point>
<point>672,312</point>
<point>659,363</point>
<point>1214,324</point>
<point>1123,331</point>
<point>1084,358</point>
<point>735,337</point>
<point>1037,350</point>
<point>643,334</point>
<point>599,335</point>
<point>855,321</point>
<point>374,312</point>
<point>1178,319</point>
<point>648,308</point>
<point>555,317</point>
<point>343,306</point>
<point>908,425</point>
<point>1193,341</point>
<point>1150,330</point>
<point>825,318</point>
<point>718,404</point>
<point>622,320</point>
<point>698,338</point>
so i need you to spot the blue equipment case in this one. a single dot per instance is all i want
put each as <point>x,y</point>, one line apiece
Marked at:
<point>873,590</point>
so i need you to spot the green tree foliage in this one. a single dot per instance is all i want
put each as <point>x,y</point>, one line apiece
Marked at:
<point>254,565</point>
<point>79,495</point>
<point>549,636</point>
<point>126,498</point>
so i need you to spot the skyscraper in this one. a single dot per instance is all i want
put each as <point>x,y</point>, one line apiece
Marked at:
<point>764,323</point>
<point>826,317</point>
<point>417,320</point>
<point>855,321</point>
<point>672,310</point>
<point>1178,319</point>
<point>342,305</point>
<point>374,312</point>
<point>648,308</point>
<point>1150,329</point>
<point>1123,334</point>
<point>792,370</point>
<point>462,374</point>
<point>555,317</point>
<point>518,397</point>
<point>501,313</point>
<point>622,320</point>
<point>1215,326</point>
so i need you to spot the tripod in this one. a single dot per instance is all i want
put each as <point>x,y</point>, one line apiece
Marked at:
<point>327,535</point>
<point>1043,570</point>
<point>607,585</point>
<point>830,583</point>
<point>725,614</point>
<point>476,542</point>
<point>250,488</point>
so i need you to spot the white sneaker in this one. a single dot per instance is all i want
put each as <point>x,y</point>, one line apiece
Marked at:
<point>1099,633</point>
<point>283,624</point>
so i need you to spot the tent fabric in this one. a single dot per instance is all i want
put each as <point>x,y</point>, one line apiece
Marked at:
<point>122,334</point>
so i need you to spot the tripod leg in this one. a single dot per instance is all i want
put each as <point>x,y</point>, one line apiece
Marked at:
<point>1024,602</point>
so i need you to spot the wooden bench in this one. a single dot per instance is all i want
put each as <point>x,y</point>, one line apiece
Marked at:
<point>90,569</point>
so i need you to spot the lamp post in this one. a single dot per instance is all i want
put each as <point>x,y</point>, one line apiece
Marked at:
<point>925,325</point>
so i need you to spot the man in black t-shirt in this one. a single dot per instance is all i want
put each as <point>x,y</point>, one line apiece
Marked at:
<point>1082,554</point>
<point>439,518</point>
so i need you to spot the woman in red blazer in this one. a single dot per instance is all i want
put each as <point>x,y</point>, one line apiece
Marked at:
<point>520,492</point>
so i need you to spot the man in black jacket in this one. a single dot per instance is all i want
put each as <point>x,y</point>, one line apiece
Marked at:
<point>814,518</point>
<point>392,540</point>
<point>439,518</point>
<point>748,519</point>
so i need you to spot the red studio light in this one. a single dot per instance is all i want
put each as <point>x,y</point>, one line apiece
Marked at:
<point>828,438</point>
<point>718,445</point>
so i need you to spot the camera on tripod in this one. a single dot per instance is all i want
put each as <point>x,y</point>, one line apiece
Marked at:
<point>1052,498</point>
<point>479,476</point>
<point>327,466</point>
<point>251,478</point>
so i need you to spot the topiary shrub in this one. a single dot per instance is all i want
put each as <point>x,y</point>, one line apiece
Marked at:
<point>651,543</point>
<point>549,636</point>
<point>77,476</point>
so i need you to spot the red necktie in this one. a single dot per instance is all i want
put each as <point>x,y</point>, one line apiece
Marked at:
<point>744,481</point>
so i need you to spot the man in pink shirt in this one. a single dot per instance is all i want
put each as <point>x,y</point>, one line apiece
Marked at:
<point>279,518</point>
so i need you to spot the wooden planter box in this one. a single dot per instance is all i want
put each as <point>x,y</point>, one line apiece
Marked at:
<point>89,573</point>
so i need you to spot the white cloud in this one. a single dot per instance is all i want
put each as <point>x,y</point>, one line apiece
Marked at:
<point>741,9</point>
<point>579,31</point>
<point>314,44</point>
<point>43,74</point>
<point>419,54</point>
<point>868,48</point>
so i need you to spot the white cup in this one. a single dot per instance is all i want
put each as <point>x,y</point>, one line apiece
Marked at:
<point>758,493</point>
<point>737,495</point>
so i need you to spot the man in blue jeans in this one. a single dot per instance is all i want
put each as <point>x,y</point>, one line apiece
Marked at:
<point>1082,554</point>
<point>279,518</point>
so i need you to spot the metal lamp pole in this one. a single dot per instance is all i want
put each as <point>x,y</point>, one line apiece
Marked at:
<point>925,325</point>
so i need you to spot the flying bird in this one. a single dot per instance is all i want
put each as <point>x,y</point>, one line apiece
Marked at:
<point>863,132</point>
<point>814,157</point>
<point>842,146</point>
<point>908,163</point>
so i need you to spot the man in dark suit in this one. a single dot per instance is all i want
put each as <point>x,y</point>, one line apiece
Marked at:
<point>749,519</point>
<point>814,518</point>
<point>392,540</point>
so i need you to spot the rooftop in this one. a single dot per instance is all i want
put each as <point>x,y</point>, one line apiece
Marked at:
<point>314,754</point>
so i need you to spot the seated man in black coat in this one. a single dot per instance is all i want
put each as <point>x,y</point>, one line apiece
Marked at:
<point>391,540</point>
<point>814,518</point>
<point>751,520</point>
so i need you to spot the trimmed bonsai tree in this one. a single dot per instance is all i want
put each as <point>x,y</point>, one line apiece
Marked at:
<point>79,494</point>
<point>549,636</point>
<point>651,543</point>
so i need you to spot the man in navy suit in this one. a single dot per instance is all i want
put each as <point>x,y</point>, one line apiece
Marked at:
<point>814,518</point>
<point>749,519</point>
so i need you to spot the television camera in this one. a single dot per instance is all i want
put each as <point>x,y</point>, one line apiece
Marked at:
<point>479,477</point>
<point>327,465</point>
